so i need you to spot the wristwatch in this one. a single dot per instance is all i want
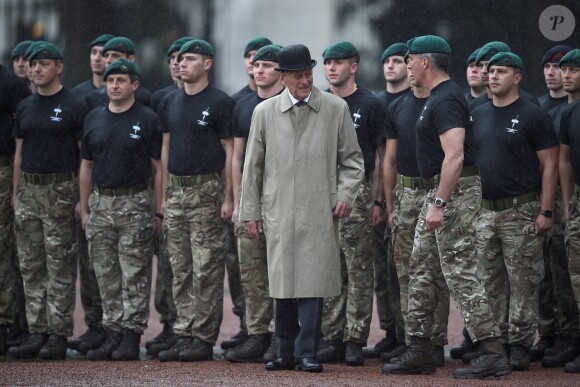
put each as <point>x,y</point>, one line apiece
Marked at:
<point>546,213</point>
<point>440,203</point>
<point>381,203</point>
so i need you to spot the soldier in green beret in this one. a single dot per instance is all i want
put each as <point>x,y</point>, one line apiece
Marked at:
<point>474,80</point>
<point>20,63</point>
<point>249,51</point>
<point>98,65</point>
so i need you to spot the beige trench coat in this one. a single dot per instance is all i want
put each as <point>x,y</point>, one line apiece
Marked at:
<point>299,162</point>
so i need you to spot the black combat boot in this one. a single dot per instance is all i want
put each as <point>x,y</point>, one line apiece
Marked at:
<point>417,360</point>
<point>354,354</point>
<point>387,344</point>
<point>235,340</point>
<point>492,362</point>
<point>128,349</point>
<point>463,348</point>
<point>172,354</point>
<point>16,337</point>
<point>272,352</point>
<point>537,351</point>
<point>30,347</point>
<point>251,350</point>
<point>199,350</point>
<point>331,351</point>
<point>54,348</point>
<point>105,351</point>
<point>3,339</point>
<point>564,351</point>
<point>398,351</point>
<point>573,366</point>
<point>162,337</point>
<point>93,338</point>
<point>438,354</point>
<point>519,357</point>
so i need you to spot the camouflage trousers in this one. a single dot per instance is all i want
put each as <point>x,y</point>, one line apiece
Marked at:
<point>450,248</point>
<point>46,239</point>
<point>90,295</point>
<point>254,275</point>
<point>196,244</point>
<point>234,281</point>
<point>347,316</point>
<point>120,233</point>
<point>573,246</point>
<point>12,309</point>
<point>564,303</point>
<point>510,265</point>
<point>407,207</point>
<point>164,303</point>
<point>547,301</point>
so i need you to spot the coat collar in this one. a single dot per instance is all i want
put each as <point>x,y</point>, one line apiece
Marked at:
<point>314,102</point>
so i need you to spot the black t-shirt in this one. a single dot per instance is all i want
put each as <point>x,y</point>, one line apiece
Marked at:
<point>242,93</point>
<point>387,98</point>
<point>548,103</point>
<point>12,90</point>
<point>468,96</point>
<point>570,135</point>
<point>159,94</point>
<point>556,115</point>
<point>196,124</point>
<point>121,145</point>
<point>98,97</point>
<point>83,88</point>
<point>446,108</point>
<point>50,128</point>
<point>403,114</point>
<point>369,119</point>
<point>482,99</point>
<point>507,139</point>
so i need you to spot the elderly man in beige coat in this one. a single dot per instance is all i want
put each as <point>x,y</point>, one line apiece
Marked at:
<point>303,168</point>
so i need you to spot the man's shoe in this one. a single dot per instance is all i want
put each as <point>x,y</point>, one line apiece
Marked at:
<point>281,363</point>
<point>573,366</point>
<point>399,350</point>
<point>537,351</point>
<point>16,337</point>
<point>466,346</point>
<point>519,357</point>
<point>563,352</point>
<point>492,362</point>
<point>105,351</point>
<point>438,354</point>
<point>128,349</point>
<point>250,351</point>
<point>308,364</point>
<point>166,332</point>
<point>172,354</point>
<point>199,350</point>
<point>29,347</point>
<point>387,344</point>
<point>272,351</point>
<point>54,348</point>
<point>417,360</point>
<point>331,351</point>
<point>354,354</point>
<point>3,339</point>
<point>236,340</point>
<point>93,338</point>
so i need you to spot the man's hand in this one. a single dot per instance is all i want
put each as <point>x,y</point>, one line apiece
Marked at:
<point>434,218</point>
<point>378,215</point>
<point>341,210</point>
<point>543,224</point>
<point>255,228</point>
<point>78,211</point>
<point>235,214</point>
<point>226,212</point>
<point>84,219</point>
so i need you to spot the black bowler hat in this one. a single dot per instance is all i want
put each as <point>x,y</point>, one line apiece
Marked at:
<point>295,57</point>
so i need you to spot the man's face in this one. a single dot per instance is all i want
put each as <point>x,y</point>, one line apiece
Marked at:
<point>394,69</point>
<point>473,76</point>
<point>264,73</point>
<point>174,66</point>
<point>416,70</point>
<point>193,67</point>
<point>45,71</point>
<point>111,56</point>
<point>339,71</point>
<point>20,66</point>
<point>553,76</point>
<point>248,60</point>
<point>98,64</point>
<point>571,79</point>
<point>299,83</point>
<point>120,88</point>
<point>483,71</point>
<point>502,80</point>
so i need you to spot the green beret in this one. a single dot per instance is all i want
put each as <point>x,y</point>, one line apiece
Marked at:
<point>31,47</point>
<point>196,46</point>
<point>471,58</point>
<point>21,48</point>
<point>399,49</point>
<point>176,46</point>
<point>256,44</point>
<point>101,40</point>
<point>120,66</point>
<point>571,59</point>
<point>428,44</point>
<point>268,53</point>
<point>44,50</point>
<point>505,59</point>
<point>490,49</point>
<point>120,44</point>
<point>340,50</point>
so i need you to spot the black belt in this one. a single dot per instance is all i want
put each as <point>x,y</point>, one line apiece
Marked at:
<point>123,191</point>
<point>48,178</point>
<point>466,171</point>
<point>5,161</point>
<point>415,182</point>
<point>506,203</point>
<point>193,180</point>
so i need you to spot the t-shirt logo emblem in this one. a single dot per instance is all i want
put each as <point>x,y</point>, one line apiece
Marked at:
<point>356,116</point>
<point>136,130</point>
<point>514,122</point>
<point>57,111</point>
<point>204,113</point>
